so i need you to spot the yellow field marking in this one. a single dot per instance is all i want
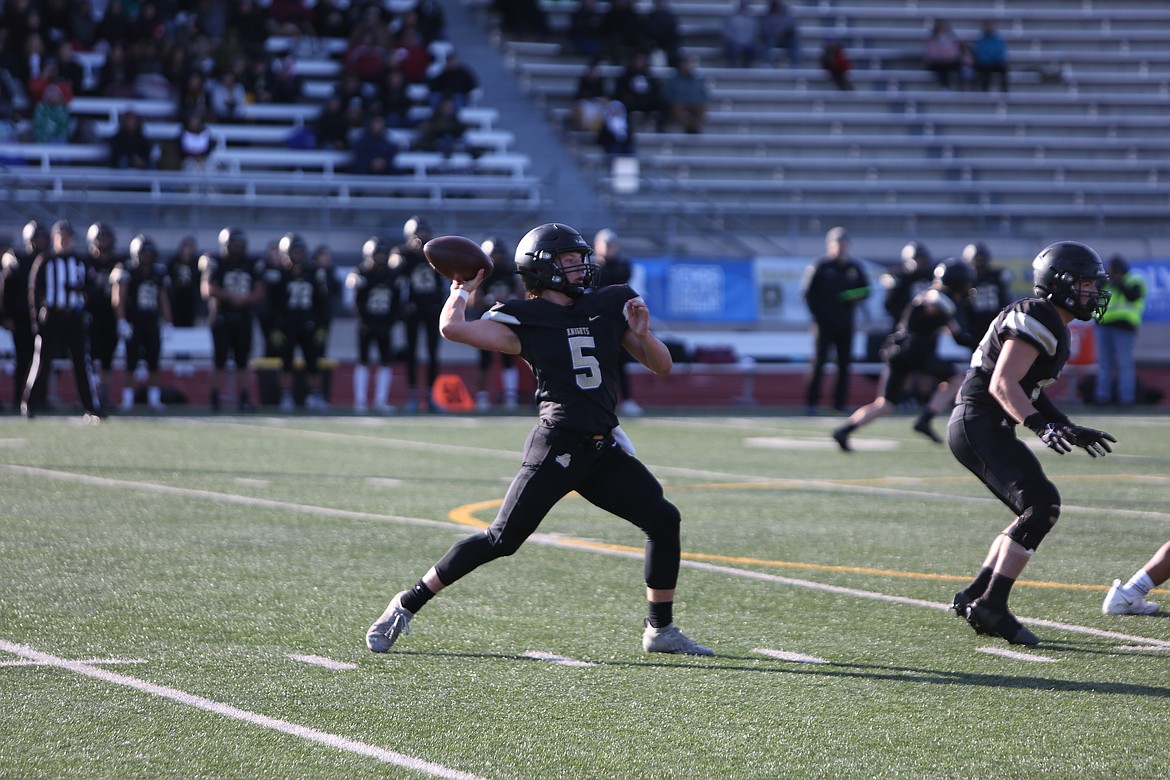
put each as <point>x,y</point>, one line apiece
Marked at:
<point>465,515</point>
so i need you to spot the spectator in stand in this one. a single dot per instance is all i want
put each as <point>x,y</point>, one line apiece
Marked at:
<point>779,29</point>
<point>741,34</point>
<point>70,69</point>
<point>351,88</point>
<point>116,27</point>
<point>411,55</point>
<point>117,75</point>
<point>49,76</point>
<point>183,272</point>
<point>442,131</point>
<point>394,101</point>
<point>193,97</point>
<point>835,60</point>
<point>285,84</point>
<point>432,21</point>
<point>332,127</point>
<point>129,147</point>
<point>83,26</point>
<point>227,98</point>
<point>990,57</point>
<point>622,32</point>
<point>51,118</point>
<point>251,21</point>
<point>371,17</point>
<point>290,12</point>
<point>365,58</point>
<point>662,33</point>
<point>195,143</point>
<point>640,91</point>
<point>373,151</point>
<point>522,19</point>
<point>686,94</point>
<point>616,134</point>
<point>943,54</point>
<point>329,19</point>
<point>590,98</point>
<point>585,26</point>
<point>455,80</point>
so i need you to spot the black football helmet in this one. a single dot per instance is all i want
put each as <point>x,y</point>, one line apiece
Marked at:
<point>376,250</point>
<point>417,229</point>
<point>977,255</point>
<point>293,250</point>
<point>1058,268</point>
<point>233,243</point>
<point>143,252</point>
<point>35,237</point>
<point>493,246</point>
<point>915,255</point>
<point>100,238</point>
<point>538,264</point>
<point>954,277</point>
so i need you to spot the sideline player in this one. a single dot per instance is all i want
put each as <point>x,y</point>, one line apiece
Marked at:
<point>1023,351</point>
<point>573,342</point>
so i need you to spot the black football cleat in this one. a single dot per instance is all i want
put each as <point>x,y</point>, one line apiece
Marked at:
<point>998,621</point>
<point>923,427</point>
<point>841,436</point>
<point>959,604</point>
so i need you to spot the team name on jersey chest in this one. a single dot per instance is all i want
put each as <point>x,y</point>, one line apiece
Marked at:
<point>577,332</point>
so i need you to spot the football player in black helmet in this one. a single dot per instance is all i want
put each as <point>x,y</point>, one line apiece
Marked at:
<point>913,349</point>
<point>991,292</point>
<point>298,321</point>
<point>573,343</point>
<point>143,307</point>
<point>423,293</point>
<point>17,317</point>
<point>1022,352</point>
<point>372,293</point>
<point>233,288</point>
<point>502,284</point>
<point>103,324</point>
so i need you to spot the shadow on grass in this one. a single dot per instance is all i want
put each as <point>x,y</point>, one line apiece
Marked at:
<point>868,672</point>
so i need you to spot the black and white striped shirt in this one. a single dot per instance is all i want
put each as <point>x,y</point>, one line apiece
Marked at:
<point>60,283</point>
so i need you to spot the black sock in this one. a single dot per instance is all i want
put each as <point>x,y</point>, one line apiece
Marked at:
<point>417,597</point>
<point>661,613</point>
<point>979,586</point>
<point>925,416</point>
<point>998,590</point>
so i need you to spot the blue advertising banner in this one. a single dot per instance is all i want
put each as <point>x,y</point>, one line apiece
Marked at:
<point>704,290</point>
<point>1156,274</point>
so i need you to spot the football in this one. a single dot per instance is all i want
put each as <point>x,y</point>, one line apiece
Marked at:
<point>456,257</point>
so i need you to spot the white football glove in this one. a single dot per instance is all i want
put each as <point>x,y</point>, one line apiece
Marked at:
<point>623,440</point>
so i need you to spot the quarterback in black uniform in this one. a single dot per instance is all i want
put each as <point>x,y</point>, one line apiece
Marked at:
<point>143,306</point>
<point>1022,352</point>
<point>913,349</point>
<point>573,342</point>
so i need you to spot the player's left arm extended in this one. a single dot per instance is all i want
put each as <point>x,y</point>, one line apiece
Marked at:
<point>646,348</point>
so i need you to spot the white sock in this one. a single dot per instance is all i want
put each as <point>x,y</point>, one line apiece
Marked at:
<point>382,381</point>
<point>153,396</point>
<point>510,379</point>
<point>127,397</point>
<point>361,379</point>
<point>1140,583</point>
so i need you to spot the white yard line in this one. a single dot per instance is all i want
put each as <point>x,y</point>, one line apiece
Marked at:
<point>320,660</point>
<point>560,660</point>
<point>228,711</point>
<point>88,662</point>
<point>785,655</point>
<point>1013,655</point>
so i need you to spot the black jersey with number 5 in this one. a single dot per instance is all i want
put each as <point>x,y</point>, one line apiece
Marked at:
<point>1034,321</point>
<point>575,352</point>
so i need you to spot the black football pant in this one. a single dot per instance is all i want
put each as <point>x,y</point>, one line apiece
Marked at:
<point>555,463</point>
<point>57,329</point>
<point>840,340</point>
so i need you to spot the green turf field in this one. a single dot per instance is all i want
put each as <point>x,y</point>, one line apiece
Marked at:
<point>188,597</point>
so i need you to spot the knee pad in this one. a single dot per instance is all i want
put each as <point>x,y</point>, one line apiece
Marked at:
<point>1033,525</point>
